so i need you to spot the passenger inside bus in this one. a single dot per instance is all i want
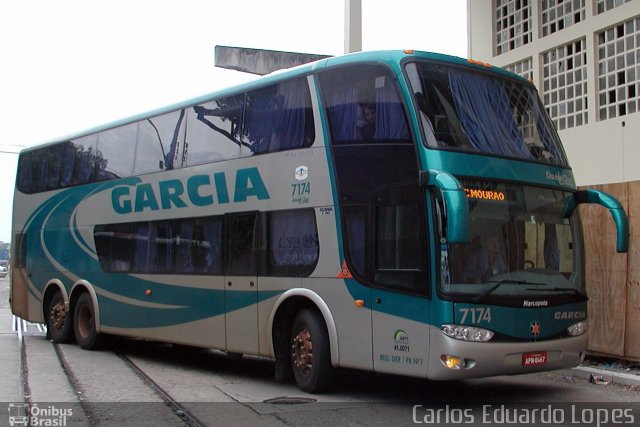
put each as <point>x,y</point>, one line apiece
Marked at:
<point>367,123</point>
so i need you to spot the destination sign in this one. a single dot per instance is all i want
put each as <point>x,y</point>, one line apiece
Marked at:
<point>474,193</point>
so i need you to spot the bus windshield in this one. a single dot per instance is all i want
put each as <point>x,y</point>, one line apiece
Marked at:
<point>470,111</point>
<point>520,245</point>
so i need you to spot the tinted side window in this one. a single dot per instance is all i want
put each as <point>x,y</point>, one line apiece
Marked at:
<point>241,255</point>
<point>36,162</point>
<point>116,152</point>
<point>68,156</point>
<point>356,224</point>
<point>152,250</point>
<point>363,105</point>
<point>400,241</point>
<point>199,246</point>
<point>159,141</point>
<point>192,246</point>
<point>278,118</point>
<point>25,172</point>
<point>293,243</point>
<point>54,166</point>
<point>213,131</point>
<point>84,161</point>
<point>377,169</point>
<point>113,245</point>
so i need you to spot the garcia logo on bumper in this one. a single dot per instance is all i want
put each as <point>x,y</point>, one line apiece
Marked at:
<point>570,315</point>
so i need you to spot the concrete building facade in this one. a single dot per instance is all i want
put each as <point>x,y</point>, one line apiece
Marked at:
<point>584,57</point>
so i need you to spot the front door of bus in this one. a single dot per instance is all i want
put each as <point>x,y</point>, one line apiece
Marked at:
<point>399,296</point>
<point>241,282</point>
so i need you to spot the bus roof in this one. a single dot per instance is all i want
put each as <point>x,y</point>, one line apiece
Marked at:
<point>387,56</point>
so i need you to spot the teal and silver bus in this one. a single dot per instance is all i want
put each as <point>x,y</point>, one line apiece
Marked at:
<point>396,212</point>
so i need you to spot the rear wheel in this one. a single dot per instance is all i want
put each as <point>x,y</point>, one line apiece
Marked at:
<point>84,323</point>
<point>59,321</point>
<point>310,353</point>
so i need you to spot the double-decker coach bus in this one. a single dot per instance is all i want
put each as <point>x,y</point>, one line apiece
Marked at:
<point>394,212</point>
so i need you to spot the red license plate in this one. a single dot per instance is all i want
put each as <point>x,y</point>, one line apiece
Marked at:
<point>534,359</point>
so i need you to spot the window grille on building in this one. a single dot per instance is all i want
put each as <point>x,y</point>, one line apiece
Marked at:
<point>513,24</point>
<point>618,71</point>
<point>523,68</point>
<point>559,14</point>
<point>565,84</point>
<point>605,5</point>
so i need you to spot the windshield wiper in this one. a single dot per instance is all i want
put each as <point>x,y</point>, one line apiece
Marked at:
<point>574,290</point>
<point>498,283</point>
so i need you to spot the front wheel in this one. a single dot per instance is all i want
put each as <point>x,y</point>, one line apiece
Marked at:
<point>310,352</point>
<point>85,324</point>
<point>59,321</point>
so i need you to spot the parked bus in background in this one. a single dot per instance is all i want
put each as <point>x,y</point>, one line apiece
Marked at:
<point>396,212</point>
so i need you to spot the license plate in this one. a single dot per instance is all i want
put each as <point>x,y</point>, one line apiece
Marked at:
<point>534,359</point>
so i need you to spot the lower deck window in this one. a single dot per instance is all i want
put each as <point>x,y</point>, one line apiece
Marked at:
<point>279,243</point>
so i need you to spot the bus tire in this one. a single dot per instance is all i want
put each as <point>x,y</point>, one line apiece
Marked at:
<point>310,352</point>
<point>84,323</point>
<point>59,321</point>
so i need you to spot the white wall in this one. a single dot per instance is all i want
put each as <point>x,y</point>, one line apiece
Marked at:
<point>605,152</point>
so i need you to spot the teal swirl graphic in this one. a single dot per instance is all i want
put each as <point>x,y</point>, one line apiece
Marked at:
<point>57,249</point>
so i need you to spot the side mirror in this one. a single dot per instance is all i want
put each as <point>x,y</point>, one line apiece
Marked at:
<point>455,203</point>
<point>609,202</point>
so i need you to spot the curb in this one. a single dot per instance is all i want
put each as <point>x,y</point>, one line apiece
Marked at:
<point>603,376</point>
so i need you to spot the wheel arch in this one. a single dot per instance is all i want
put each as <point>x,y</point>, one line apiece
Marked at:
<point>80,287</point>
<point>285,309</point>
<point>53,286</point>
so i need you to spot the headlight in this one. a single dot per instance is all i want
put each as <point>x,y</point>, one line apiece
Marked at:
<point>467,333</point>
<point>577,329</point>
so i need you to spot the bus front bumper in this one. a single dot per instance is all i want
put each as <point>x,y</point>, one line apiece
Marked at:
<point>485,359</point>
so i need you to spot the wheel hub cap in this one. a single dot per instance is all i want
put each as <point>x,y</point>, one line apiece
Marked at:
<point>302,351</point>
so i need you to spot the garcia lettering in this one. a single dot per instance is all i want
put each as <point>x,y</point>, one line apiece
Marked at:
<point>200,190</point>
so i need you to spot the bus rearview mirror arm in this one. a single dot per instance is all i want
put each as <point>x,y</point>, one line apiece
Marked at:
<point>609,202</point>
<point>456,206</point>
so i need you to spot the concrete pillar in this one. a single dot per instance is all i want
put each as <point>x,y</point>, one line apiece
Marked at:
<point>352,26</point>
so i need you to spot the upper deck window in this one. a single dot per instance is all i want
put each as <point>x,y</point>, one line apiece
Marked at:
<point>363,105</point>
<point>478,112</point>
<point>275,118</point>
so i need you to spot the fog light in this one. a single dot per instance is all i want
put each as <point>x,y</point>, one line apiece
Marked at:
<point>452,362</point>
